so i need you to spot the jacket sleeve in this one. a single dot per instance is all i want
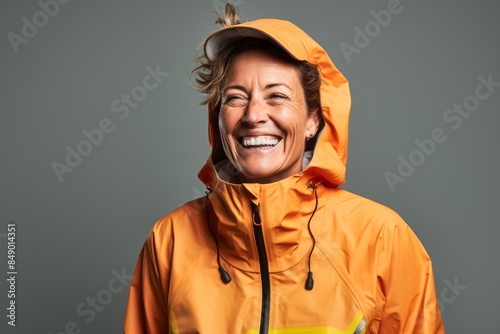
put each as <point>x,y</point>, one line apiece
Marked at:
<point>146,309</point>
<point>408,285</point>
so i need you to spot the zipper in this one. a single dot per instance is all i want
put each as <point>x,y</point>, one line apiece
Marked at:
<point>264,270</point>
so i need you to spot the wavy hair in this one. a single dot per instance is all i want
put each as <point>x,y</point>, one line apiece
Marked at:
<point>210,73</point>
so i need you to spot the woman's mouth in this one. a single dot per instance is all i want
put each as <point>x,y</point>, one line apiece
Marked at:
<point>261,142</point>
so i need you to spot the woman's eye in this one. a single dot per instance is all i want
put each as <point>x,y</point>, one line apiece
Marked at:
<point>233,100</point>
<point>279,96</point>
<point>230,97</point>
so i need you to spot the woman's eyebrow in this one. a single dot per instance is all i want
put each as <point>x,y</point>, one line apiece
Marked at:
<point>268,86</point>
<point>272,85</point>
<point>240,87</point>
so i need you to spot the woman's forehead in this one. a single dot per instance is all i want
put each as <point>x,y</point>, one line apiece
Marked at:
<point>265,65</point>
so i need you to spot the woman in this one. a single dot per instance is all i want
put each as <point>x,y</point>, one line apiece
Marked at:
<point>276,246</point>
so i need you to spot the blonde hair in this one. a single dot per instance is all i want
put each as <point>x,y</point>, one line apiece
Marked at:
<point>210,73</point>
<point>231,16</point>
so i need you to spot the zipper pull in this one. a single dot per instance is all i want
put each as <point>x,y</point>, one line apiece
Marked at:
<point>255,215</point>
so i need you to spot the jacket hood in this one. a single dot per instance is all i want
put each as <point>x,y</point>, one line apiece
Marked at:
<point>328,163</point>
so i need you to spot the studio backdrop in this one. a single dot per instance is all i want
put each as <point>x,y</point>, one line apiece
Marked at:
<point>102,135</point>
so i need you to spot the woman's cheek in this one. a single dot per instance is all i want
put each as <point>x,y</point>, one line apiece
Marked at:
<point>225,131</point>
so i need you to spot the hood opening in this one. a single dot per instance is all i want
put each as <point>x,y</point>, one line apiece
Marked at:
<point>326,152</point>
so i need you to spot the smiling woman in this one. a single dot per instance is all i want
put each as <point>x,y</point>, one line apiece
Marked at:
<point>242,259</point>
<point>263,119</point>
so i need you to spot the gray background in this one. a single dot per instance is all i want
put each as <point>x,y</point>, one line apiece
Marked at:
<point>72,234</point>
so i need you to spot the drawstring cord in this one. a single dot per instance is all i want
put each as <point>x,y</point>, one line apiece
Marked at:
<point>224,275</point>
<point>226,278</point>
<point>310,280</point>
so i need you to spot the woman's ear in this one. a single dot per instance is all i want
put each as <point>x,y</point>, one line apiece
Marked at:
<point>312,124</point>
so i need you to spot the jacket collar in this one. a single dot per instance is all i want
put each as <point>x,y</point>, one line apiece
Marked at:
<point>284,208</point>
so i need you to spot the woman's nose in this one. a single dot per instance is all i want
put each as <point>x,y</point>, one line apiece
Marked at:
<point>255,112</point>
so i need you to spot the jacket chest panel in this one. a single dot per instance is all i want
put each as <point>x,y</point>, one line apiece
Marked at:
<point>208,306</point>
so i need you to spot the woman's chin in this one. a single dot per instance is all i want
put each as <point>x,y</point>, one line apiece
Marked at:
<point>262,174</point>
<point>255,173</point>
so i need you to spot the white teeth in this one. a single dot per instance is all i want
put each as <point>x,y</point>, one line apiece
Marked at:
<point>259,142</point>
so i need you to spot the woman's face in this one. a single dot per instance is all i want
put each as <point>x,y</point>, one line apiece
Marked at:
<point>264,120</point>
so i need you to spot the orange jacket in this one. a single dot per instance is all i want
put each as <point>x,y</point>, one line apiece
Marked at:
<point>371,274</point>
